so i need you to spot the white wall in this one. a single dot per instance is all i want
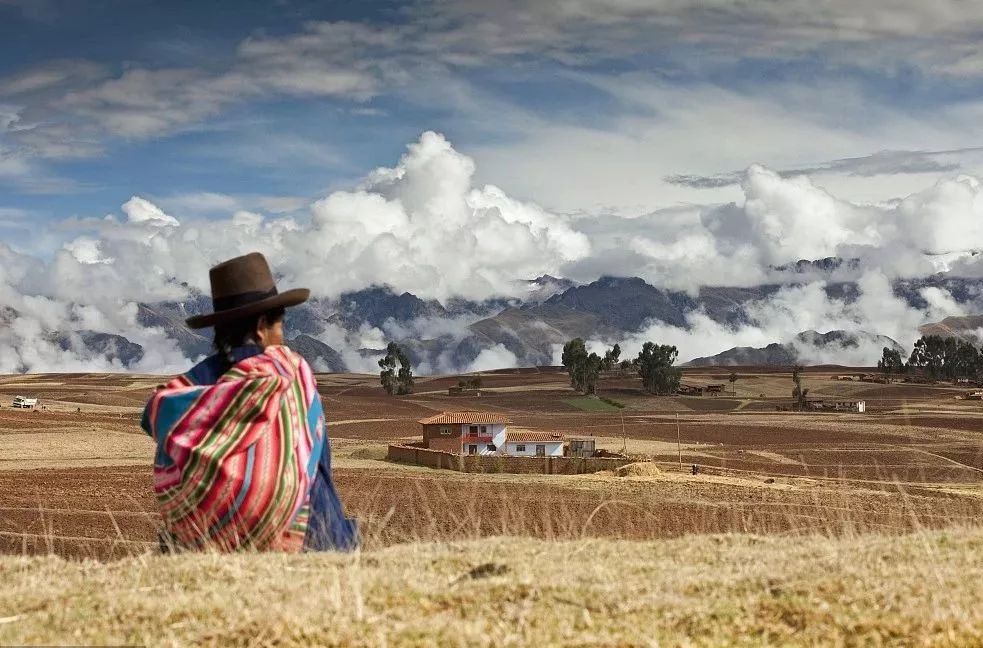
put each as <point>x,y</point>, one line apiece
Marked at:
<point>496,431</point>
<point>553,449</point>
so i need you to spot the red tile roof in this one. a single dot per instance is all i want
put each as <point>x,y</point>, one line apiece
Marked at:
<point>531,436</point>
<point>466,418</point>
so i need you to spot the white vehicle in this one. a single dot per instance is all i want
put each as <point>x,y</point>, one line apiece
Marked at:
<point>23,402</point>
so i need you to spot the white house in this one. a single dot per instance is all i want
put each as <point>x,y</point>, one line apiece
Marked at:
<point>465,432</point>
<point>529,443</point>
<point>486,433</point>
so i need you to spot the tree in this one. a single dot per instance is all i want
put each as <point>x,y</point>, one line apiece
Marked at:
<point>474,382</point>
<point>798,392</point>
<point>655,367</point>
<point>396,381</point>
<point>584,368</point>
<point>891,362</point>
<point>388,374</point>
<point>611,358</point>
<point>946,358</point>
<point>629,365</point>
<point>968,361</point>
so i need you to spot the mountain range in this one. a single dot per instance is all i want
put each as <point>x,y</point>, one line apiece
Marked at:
<point>452,335</point>
<point>793,353</point>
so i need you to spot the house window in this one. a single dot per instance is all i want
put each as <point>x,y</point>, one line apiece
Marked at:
<point>520,447</point>
<point>541,450</point>
<point>445,431</point>
<point>484,429</point>
<point>474,430</point>
<point>491,447</point>
<point>472,449</point>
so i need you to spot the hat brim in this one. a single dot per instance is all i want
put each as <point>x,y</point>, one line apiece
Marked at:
<point>285,299</point>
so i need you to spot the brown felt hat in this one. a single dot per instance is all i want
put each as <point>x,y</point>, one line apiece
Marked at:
<point>244,287</point>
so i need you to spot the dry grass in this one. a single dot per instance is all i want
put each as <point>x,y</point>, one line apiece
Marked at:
<point>640,469</point>
<point>919,589</point>
<point>800,530</point>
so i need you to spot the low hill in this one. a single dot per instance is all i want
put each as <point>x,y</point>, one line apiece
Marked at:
<point>319,355</point>
<point>807,348</point>
<point>969,328</point>
<point>920,589</point>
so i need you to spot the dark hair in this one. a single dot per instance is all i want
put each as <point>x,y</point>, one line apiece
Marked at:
<point>240,332</point>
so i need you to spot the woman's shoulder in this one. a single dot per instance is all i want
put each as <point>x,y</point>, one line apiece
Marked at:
<point>284,355</point>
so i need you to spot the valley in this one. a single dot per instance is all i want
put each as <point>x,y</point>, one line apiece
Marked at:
<point>75,478</point>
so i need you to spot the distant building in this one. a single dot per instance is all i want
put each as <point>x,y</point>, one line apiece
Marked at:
<point>581,447</point>
<point>529,443</point>
<point>819,405</point>
<point>874,378</point>
<point>692,390</point>
<point>465,432</point>
<point>23,402</point>
<point>487,433</point>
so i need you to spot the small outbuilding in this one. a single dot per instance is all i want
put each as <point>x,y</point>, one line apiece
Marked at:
<point>581,446</point>
<point>530,443</point>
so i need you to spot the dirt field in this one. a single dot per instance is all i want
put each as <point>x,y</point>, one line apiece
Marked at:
<point>75,477</point>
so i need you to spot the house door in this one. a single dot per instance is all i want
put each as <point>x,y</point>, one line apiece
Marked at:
<point>472,449</point>
<point>540,450</point>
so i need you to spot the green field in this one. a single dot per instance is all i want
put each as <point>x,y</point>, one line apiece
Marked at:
<point>588,404</point>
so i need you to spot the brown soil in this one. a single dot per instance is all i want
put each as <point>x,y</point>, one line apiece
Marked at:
<point>111,512</point>
<point>884,471</point>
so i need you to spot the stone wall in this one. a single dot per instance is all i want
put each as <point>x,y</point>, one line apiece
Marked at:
<point>497,464</point>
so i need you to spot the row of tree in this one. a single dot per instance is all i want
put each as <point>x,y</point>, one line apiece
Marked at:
<point>654,365</point>
<point>936,358</point>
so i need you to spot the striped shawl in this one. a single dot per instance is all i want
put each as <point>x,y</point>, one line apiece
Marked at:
<point>236,459</point>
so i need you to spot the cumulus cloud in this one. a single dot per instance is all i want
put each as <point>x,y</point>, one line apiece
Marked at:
<point>425,227</point>
<point>781,220</point>
<point>138,210</point>
<point>420,226</point>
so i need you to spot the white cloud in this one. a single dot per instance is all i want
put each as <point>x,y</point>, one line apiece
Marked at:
<point>423,226</point>
<point>497,357</point>
<point>794,309</point>
<point>139,210</point>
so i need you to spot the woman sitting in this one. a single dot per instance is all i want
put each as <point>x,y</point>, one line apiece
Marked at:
<point>243,459</point>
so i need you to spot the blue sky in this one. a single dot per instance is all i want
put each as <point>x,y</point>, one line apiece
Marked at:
<point>589,107</point>
<point>458,148</point>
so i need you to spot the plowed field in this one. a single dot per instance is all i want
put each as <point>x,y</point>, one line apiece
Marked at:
<point>75,477</point>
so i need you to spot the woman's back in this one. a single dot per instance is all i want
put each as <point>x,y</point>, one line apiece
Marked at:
<point>236,458</point>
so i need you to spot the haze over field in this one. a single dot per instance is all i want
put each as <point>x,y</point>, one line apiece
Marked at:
<point>482,184</point>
